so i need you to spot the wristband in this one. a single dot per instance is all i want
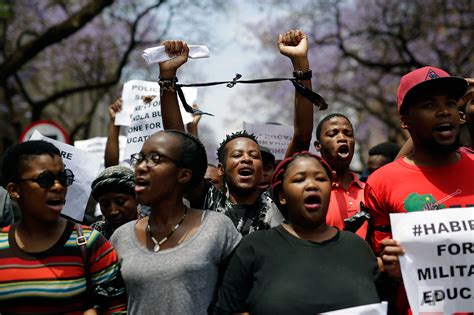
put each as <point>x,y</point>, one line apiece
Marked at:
<point>167,84</point>
<point>303,75</point>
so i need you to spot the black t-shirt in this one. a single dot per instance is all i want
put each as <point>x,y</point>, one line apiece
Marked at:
<point>275,272</point>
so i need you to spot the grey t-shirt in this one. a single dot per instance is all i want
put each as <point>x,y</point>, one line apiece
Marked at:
<point>179,280</point>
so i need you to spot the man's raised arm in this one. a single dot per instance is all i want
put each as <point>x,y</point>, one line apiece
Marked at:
<point>294,45</point>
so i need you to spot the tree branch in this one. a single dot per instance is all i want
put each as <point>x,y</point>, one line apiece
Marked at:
<point>40,105</point>
<point>86,120</point>
<point>11,112</point>
<point>386,66</point>
<point>53,35</point>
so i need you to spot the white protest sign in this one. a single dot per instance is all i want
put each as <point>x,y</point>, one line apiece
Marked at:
<point>96,146</point>
<point>134,90</point>
<point>370,309</point>
<point>85,168</point>
<point>146,120</point>
<point>275,137</point>
<point>437,268</point>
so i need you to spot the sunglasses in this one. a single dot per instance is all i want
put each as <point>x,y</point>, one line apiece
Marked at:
<point>47,178</point>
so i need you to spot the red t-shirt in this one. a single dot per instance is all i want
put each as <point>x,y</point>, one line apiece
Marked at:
<point>401,187</point>
<point>346,203</point>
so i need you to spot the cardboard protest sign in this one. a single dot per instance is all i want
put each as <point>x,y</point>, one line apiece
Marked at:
<point>135,90</point>
<point>96,146</point>
<point>84,173</point>
<point>370,309</point>
<point>438,265</point>
<point>275,137</point>
<point>146,120</point>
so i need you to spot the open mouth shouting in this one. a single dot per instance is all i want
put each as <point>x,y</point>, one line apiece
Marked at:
<point>312,202</point>
<point>56,204</point>
<point>141,184</point>
<point>445,130</point>
<point>343,151</point>
<point>246,172</point>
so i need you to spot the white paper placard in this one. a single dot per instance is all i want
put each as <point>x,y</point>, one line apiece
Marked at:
<point>134,90</point>
<point>96,146</point>
<point>84,173</point>
<point>275,137</point>
<point>438,265</point>
<point>370,309</point>
<point>146,120</point>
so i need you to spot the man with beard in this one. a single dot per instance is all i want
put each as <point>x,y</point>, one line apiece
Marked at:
<point>240,159</point>
<point>434,176</point>
<point>335,141</point>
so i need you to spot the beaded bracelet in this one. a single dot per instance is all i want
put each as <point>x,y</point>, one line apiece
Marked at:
<point>167,84</point>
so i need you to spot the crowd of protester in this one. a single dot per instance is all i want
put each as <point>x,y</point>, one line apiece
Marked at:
<point>249,235</point>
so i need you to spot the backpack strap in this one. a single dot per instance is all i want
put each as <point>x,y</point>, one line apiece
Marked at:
<point>81,241</point>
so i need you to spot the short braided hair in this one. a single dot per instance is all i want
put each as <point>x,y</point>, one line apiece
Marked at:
<point>193,155</point>
<point>221,151</point>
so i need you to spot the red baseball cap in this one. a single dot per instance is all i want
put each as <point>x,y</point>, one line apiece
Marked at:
<point>429,79</point>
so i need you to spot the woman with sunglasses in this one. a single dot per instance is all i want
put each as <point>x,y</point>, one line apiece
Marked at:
<point>171,260</point>
<point>41,265</point>
<point>303,266</point>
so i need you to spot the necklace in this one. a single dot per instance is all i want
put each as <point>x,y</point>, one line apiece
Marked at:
<point>156,248</point>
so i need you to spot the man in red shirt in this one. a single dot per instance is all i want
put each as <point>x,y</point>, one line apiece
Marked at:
<point>435,175</point>
<point>335,141</point>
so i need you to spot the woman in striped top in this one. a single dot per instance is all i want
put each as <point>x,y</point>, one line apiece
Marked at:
<point>41,266</point>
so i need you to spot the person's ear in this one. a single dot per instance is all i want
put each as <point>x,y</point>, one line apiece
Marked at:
<point>404,122</point>
<point>185,175</point>
<point>13,191</point>
<point>220,169</point>
<point>281,198</point>
<point>317,145</point>
<point>462,120</point>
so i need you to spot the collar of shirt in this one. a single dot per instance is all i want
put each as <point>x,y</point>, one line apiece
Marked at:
<point>355,181</point>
